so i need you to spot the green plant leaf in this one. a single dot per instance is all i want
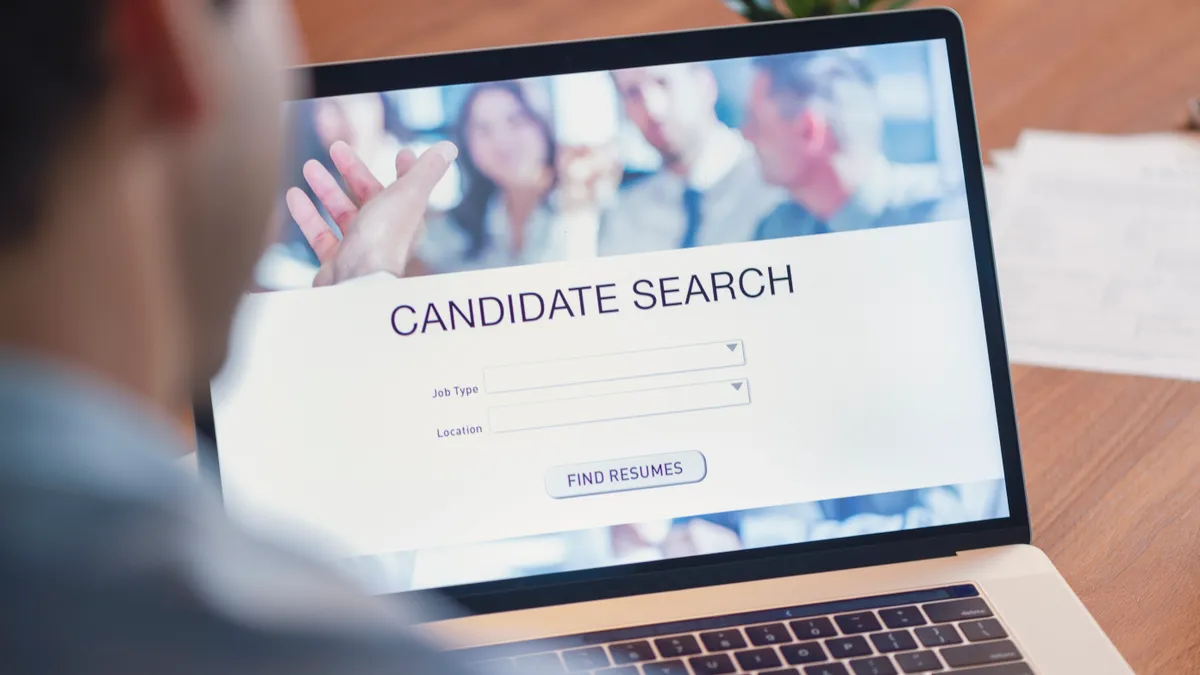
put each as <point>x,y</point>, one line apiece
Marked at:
<point>802,8</point>
<point>755,10</point>
<point>764,10</point>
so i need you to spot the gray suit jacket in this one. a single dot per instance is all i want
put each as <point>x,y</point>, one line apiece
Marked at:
<point>649,215</point>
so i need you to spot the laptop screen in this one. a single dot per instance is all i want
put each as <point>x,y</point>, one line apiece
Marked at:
<point>652,313</point>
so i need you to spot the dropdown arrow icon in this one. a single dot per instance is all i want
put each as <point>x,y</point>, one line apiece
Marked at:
<point>732,346</point>
<point>737,386</point>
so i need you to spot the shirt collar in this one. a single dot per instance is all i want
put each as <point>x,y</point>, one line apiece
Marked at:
<point>867,203</point>
<point>719,155</point>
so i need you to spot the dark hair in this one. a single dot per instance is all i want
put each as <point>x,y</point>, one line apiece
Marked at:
<point>472,210</point>
<point>54,67</point>
<point>813,74</point>
<point>837,82</point>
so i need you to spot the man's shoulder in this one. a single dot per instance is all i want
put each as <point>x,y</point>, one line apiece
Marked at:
<point>115,560</point>
<point>653,186</point>
<point>784,211</point>
<point>120,582</point>
<point>787,219</point>
<point>646,215</point>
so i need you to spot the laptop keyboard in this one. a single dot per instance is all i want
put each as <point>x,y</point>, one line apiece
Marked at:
<point>936,630</point>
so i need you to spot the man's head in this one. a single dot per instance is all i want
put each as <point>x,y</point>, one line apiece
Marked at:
<point>808,110</point>
<point>674,106</point>
<point>141,141</point>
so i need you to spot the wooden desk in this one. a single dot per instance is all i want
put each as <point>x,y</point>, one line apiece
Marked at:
<point>1112,463</point>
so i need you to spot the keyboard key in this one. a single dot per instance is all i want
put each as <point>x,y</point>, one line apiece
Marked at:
<point>665,668</point>
<point>723,640</point>
<point>781,671</point>
<point>894,641</point>
<point>827,669</point>
<point>631,652</point>
<point>756,659</point>
<point>805,652</point>
<point>876,665</point>
<point>807,629</point>
<point>680,645</point>
<point>619,670</point>
<point>936,636</point>
<point>846,647</point>
<point>770,634</point>
<point>979,654</point>
<point>589,658</point>
<point>902,617</point>
<point>957,610</point>
<point>918,662</point>
<point>712,664</point>
<point>984,629</point>
<point>1002,669</point>
<point>549,664</point>
<point>858,622</point>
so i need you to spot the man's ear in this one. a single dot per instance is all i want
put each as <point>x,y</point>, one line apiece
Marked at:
<point>158,50</point>
<point>814,129</point>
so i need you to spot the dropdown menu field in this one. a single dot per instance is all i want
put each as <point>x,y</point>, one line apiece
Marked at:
<point>622,405</point>
<point>618,366</point>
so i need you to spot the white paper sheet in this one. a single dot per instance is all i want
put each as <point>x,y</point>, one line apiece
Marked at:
<point>1098,249</point>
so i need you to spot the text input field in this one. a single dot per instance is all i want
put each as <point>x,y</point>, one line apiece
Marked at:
<point>580,370</point>
<point>623,405</point>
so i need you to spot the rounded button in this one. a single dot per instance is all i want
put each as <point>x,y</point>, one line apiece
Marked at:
<point>629,473</point>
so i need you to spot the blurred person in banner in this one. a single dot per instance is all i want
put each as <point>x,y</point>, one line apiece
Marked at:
<point>709,190</point>
<point>136,184</point>
<point>817,126</point>
<point>508,166</point>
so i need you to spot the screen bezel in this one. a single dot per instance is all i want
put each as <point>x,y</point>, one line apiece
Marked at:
<point>710,45</point>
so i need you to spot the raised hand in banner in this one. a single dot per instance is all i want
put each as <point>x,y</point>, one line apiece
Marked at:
<point>379,225</point>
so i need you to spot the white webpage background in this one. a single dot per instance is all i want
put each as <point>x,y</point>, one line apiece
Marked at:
<point>871,377</point>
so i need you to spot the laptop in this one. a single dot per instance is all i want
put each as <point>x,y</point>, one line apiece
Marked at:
<point>697,366</point>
